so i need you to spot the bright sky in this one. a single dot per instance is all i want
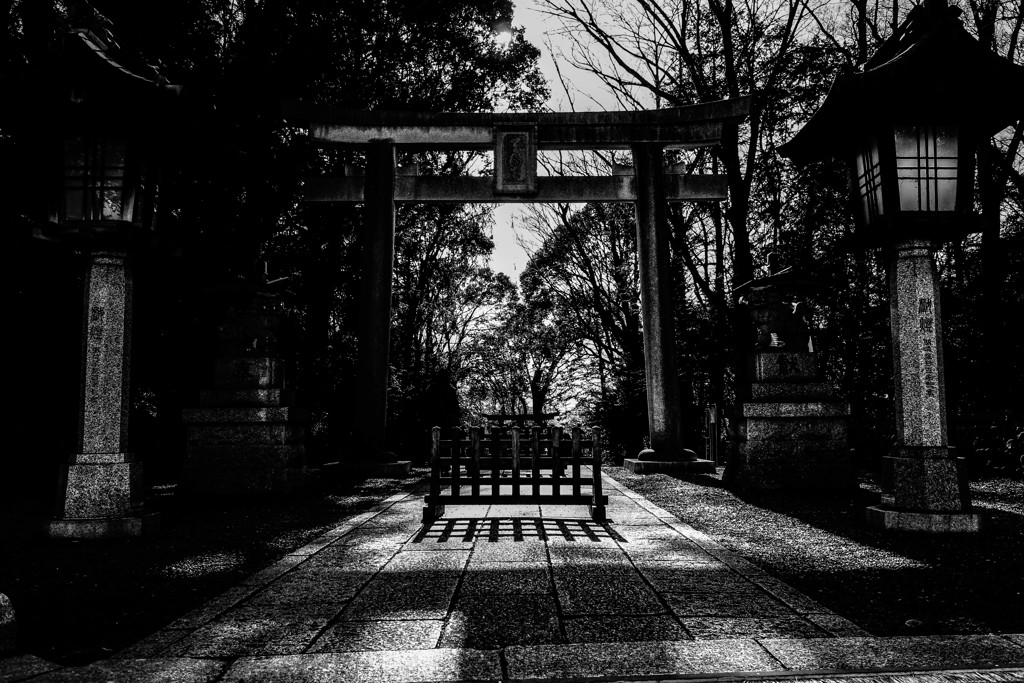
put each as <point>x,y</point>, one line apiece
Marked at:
<point>509,257</point>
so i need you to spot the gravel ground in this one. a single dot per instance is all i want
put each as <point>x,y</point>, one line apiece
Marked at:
<point>78,601</point>
<point>888,583</point>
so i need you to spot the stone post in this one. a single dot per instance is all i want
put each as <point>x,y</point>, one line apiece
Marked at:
<point>663,403</point>
<point>378,258</point>
<point>100,490</point>
<point>929,484</point>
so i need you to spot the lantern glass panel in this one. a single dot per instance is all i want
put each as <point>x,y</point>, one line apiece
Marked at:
<point>869,180</point>
<point>94,179</point>
<point>926,167</point>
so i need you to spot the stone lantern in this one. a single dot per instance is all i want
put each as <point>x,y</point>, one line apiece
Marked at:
<point>908,122</point>
<point>102,114</point>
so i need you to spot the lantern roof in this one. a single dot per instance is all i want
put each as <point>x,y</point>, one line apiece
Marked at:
<point>931,71</point>
<point>88,72</point>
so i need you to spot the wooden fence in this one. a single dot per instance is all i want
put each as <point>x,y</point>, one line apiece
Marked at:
<point>517,466</point>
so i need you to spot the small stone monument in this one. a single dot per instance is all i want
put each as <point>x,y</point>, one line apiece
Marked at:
<point>791,430</point>
<point>246,438</point>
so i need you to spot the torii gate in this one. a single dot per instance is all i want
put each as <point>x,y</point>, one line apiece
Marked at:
<point>515,139</point>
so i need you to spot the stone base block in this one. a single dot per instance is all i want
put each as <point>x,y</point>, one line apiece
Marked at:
<point>100,490</point>
<point>791,465</point>
<point>113,527</point>
<point>930,485</point>
<point>783,366</point>
<point>8,627</point>
<point>929,522</point>
<point>637,466</point>
<point>390,470</point>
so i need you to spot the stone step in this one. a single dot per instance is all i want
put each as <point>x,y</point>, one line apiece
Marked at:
<point>791,391</point>
<point>256,433</point>
<point>249,415</point>
<point>789,449</point>
<point>248,373</point>
<point>219,480</point>
<point>796,410</point>
<point>221,398</point>
<point>819,429</point>
<point>245,455</point>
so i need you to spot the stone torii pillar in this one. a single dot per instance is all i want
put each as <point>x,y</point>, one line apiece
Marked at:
<point>378,256</point>
<point>664,407</point>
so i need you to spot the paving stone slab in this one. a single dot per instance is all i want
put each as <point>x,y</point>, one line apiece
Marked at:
<point>493,530</point>
<point>315,546</point>
<point>302,612</point>
<point>642,518</point>
<point>369,667</point>
<point>312,586</point>
<point>527,551</point>
<point>658,658</point>
<point>601,591</point>
<point>445,533</point>
<point>404,597</point>
<point>355,636</point>
<point>836,625</point>
<point>616,629</point>
<point>161,670</point>
<point>660,531</point>
<point>282,566</point>
<point>153,644</point>
<point>270,635</point>
<point>454,560</point>
<point>598,577</point>
<point>578,533</point>
<point>732,604</point>
<point>578,555</point>
<point>578,512</point>
<point>902,652</point>
<point>482,622</point>
<point>799,602</point>
<point>507,577</point>
<point>350,558</point>
<point>717,628</point>
<point>1017,638</point>
<point>694,578</point>
<point>214,608</point>
<point>369,537</point>
<point>23,666</point>
<point>513,511</point>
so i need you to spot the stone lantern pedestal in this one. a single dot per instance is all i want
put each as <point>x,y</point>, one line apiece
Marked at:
<point>100,491</point>
<point>791,430</point>
<point>246,438</point>
<point>929,484</point>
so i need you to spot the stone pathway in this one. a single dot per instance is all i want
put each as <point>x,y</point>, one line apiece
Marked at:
<point>516,593</point>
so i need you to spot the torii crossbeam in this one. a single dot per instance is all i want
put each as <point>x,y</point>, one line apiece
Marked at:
<point>515,139</point>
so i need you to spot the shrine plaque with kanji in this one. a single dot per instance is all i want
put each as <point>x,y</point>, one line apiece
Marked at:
<point>515,160</point>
